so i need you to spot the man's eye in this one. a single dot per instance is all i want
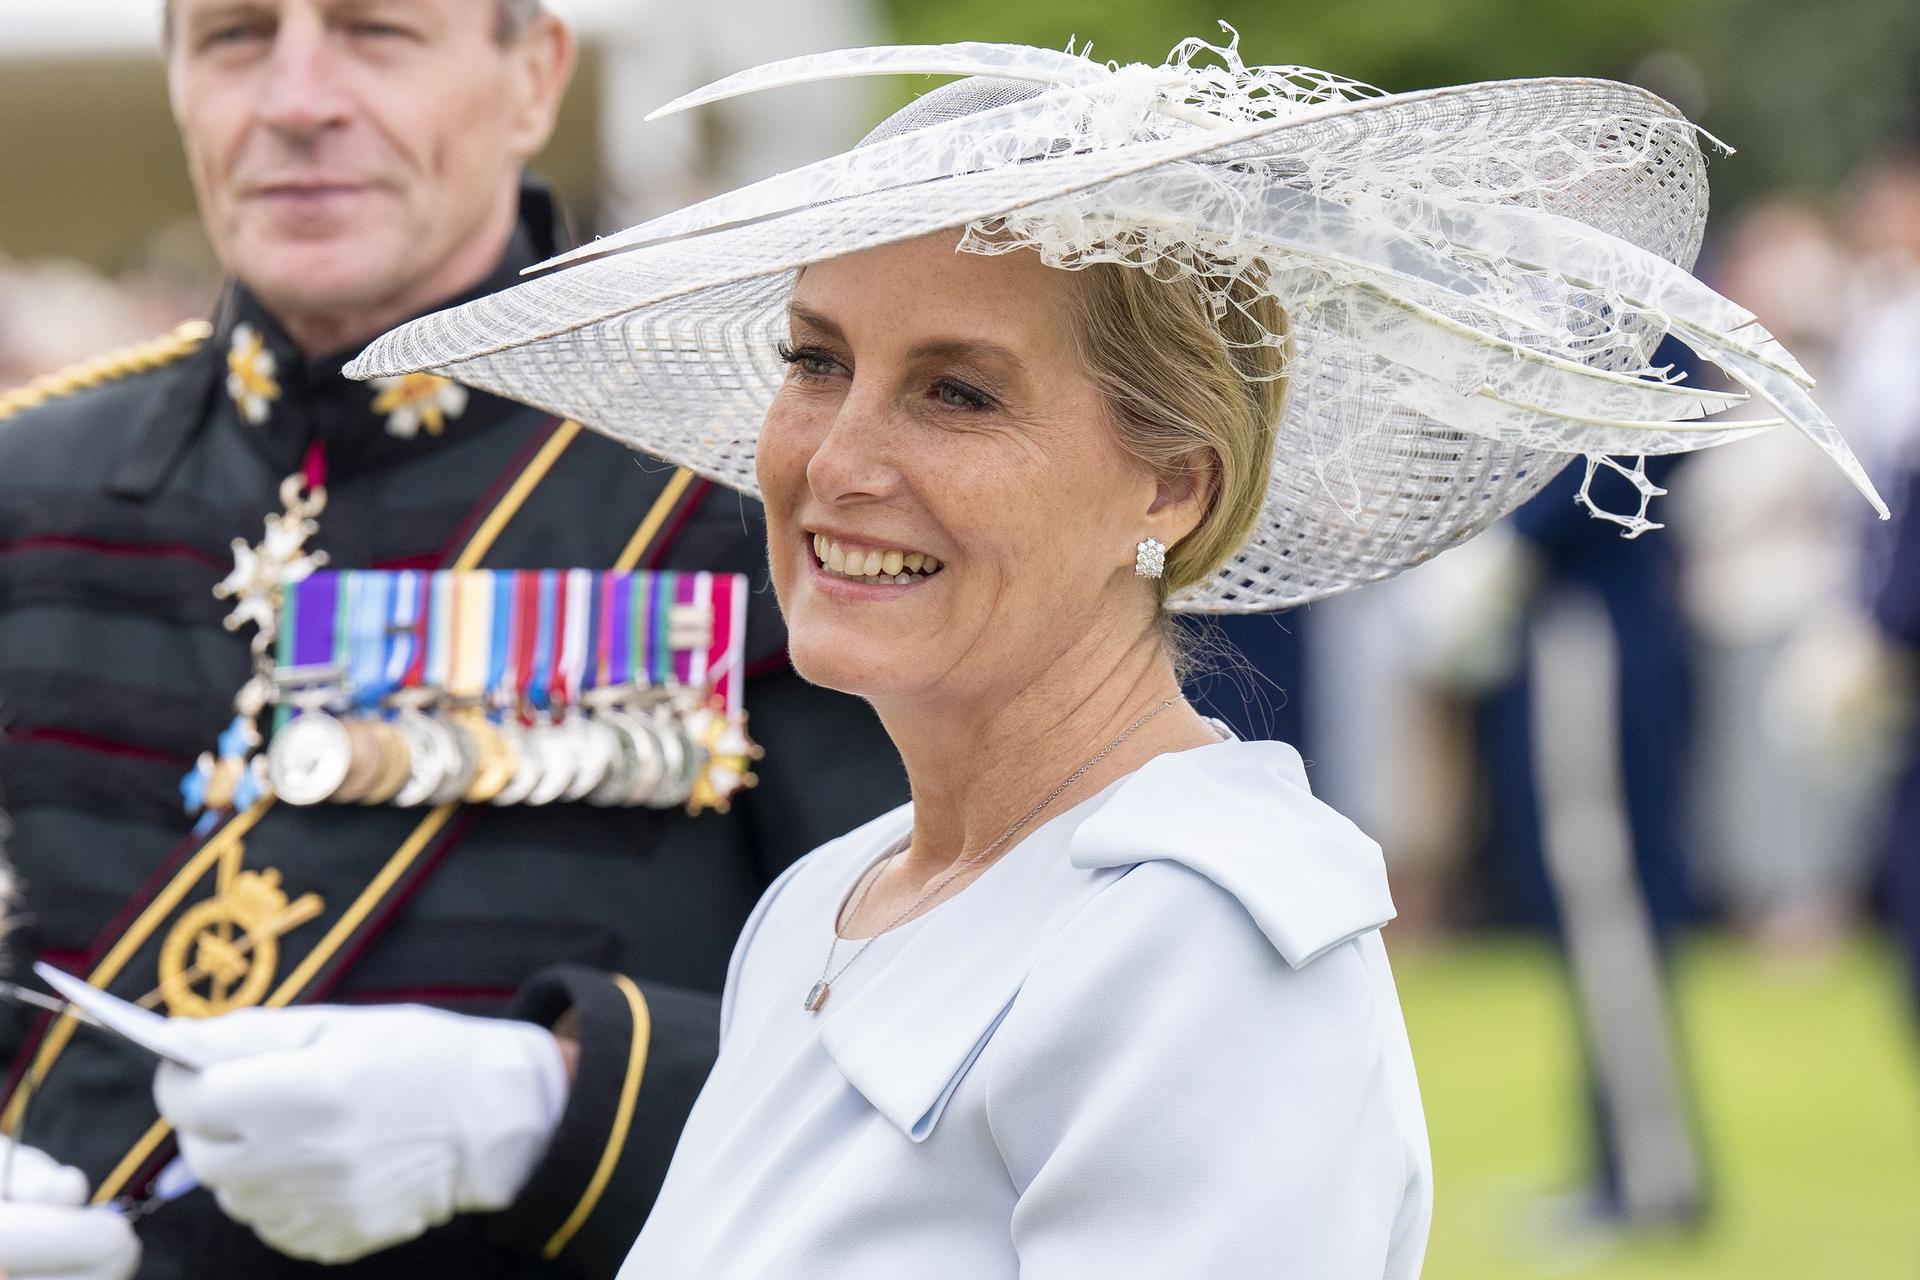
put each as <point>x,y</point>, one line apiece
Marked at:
<point>239,33</point>
<point>378,30</point>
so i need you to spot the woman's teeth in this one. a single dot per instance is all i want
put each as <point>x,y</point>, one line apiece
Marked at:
<point>872,564</point>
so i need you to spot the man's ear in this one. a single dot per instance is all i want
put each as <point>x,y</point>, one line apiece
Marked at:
<point>543,59</point>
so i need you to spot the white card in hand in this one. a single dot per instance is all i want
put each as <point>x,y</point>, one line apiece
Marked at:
<point>143,1027</point>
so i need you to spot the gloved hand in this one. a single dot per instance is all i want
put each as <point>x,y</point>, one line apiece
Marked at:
<point>335,1132</point>
<point>47,1233</point>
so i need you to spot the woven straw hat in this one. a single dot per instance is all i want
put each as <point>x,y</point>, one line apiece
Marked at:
<point>1476,278</point>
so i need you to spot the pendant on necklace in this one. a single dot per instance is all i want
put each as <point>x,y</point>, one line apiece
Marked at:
<point>817,996</point>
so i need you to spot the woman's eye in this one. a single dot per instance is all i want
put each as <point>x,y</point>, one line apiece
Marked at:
<point>809,361</point>
<point>958,395</point>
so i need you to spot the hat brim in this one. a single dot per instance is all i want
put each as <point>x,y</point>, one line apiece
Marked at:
<point>670,347</point>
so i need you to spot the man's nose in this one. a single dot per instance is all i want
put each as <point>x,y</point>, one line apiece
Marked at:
<point>303,96</point>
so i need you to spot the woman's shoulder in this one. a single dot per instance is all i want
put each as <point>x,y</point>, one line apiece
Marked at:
<point>1237,897</point>
<point>1233,831</point>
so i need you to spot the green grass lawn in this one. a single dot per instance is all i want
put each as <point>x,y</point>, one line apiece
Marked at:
<point>1808,1081</point>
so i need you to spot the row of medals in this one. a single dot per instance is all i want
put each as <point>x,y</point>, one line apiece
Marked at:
<point>609,756</point>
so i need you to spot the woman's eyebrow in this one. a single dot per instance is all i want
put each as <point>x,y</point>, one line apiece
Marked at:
<point>974,349</point>
<point>971,349</point>
<point>814,320</point>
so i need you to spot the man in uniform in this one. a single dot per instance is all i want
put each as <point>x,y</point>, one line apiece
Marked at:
<point>357,162</point>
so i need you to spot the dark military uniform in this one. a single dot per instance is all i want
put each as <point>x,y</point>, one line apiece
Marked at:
<point>118,502</point>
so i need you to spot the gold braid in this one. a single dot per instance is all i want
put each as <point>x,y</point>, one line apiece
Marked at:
<point>122,362</point>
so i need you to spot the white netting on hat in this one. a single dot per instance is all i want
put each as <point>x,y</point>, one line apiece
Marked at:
<point>1475,280</point>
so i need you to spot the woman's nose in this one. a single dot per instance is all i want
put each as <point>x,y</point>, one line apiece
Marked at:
<point>854,459</point>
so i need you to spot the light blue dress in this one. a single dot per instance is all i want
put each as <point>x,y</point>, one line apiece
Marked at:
<point>1158,1040</point>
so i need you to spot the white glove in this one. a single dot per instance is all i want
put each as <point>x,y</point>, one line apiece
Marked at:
<point>335,1132</point>
<point>47,1233</point>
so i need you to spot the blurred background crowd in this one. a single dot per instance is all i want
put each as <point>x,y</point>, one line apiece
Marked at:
<point>1652,805</point>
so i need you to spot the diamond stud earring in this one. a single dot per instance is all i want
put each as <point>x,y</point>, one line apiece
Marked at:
<point>1150,558</point>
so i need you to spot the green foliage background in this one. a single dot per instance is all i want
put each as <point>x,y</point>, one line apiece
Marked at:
<point>1805,90</point>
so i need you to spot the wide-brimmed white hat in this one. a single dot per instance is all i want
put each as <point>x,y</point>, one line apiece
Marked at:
<point>1475,279</point>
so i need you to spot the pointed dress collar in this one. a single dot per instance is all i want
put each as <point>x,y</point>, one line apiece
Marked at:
<point>1239,813</point>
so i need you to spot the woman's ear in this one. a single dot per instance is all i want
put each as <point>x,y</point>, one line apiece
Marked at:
<point>1182,497</point>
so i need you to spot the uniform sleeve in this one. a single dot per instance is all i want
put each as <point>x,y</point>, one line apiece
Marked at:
<point>1172,1099</point>
<point>645,1051</point>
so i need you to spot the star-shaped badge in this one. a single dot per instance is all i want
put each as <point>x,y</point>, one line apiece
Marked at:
<point>416,401</point>
<point>250,374</point>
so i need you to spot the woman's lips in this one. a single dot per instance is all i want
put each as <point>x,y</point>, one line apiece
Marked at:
<point>859,562</point>
<point>855,571</point>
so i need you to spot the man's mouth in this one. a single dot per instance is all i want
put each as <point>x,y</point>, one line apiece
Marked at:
<point>307,192</point>
<point>859,563</point>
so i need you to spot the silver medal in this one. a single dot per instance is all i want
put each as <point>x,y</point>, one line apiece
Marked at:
<point>615,787</point>
<point>432,754</point>
<point>555,748</point>
<point>650,768</point>
<point>596,752</point>
<point>682,761</point>
<point>462,765</point>
<point>309,758</point>
<point>527,763</point>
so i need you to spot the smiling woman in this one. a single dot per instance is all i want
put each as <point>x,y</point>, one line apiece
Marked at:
<point>1059,350</point>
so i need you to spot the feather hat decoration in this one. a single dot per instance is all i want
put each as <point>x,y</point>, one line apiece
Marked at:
<point>1475,280</point>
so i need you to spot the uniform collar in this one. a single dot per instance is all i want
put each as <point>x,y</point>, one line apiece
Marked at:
<point>281,401</point>
<point>250,379</point>
<point>1238,813</point>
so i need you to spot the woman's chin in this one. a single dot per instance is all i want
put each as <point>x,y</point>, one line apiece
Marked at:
<point>841,663</point>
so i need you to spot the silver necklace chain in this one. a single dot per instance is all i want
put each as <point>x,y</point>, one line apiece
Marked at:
<point>817,996</point>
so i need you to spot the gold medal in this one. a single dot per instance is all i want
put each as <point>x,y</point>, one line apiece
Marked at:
<point>363,763</point>
<point>396,764</point>
<point>494,763</point>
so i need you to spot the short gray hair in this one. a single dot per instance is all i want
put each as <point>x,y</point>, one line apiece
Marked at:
<point>511,19</point>
<point>514,17</point>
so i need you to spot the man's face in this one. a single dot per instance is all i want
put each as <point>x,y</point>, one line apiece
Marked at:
<point>356,160</point>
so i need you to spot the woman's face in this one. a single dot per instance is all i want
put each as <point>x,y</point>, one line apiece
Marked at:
<point>949,512</point>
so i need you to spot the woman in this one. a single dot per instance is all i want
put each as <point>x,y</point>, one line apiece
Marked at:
<point>1049,356</point>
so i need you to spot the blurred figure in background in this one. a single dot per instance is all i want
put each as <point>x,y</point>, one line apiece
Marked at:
<point>1787,794</point>
<point>1882,379</point>
<point>54,314</point>
<point>1583,752</point>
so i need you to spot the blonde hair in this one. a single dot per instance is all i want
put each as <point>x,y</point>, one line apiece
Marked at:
<point>1191,393</point>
